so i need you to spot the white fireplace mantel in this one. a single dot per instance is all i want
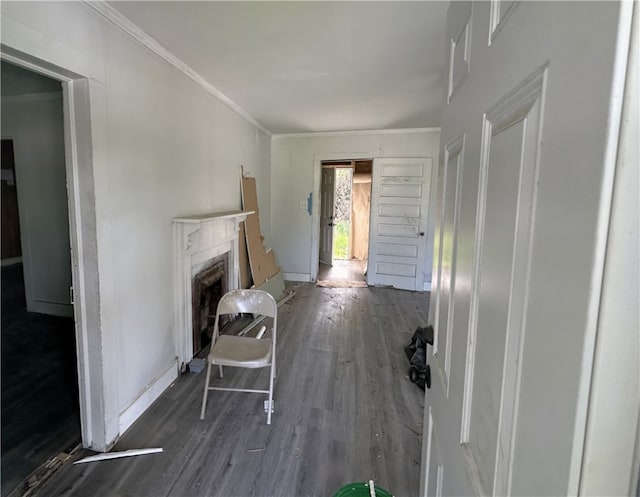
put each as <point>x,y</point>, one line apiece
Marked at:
<point>197,240</point>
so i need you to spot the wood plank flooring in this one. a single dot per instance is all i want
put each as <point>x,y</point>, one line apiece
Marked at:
<point>345,411</point>
<point>40,412</point>
<point>343,270</point>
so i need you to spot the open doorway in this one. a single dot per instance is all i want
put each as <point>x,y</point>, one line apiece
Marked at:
<point>40,396</point>
<point>344,222</point>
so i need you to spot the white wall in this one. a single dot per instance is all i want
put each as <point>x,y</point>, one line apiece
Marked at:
<point>163,147</point>
<point>35,124</point>
<point>292,179</point>
<point>32,119</point>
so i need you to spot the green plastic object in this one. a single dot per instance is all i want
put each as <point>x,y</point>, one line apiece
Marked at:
<point>361,489</point>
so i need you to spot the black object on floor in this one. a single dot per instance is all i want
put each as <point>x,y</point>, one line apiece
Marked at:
<point>416,350</point>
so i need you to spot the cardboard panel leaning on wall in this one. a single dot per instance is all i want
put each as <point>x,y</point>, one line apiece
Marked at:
<point>262,261</point>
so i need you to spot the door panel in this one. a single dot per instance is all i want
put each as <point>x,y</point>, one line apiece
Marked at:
<point>406,191</point>
<point>390,268</point>
<point>434,459</point>
<point>451,185</point>
<point>519,217</point>
<point>505,204</point>
<point>327,192</point>
<point>399,216</point>
<point>493,299</point>
<point>400,210</point>
<point>397,249</point>
<point>399,229</point>
<point>459,46</point>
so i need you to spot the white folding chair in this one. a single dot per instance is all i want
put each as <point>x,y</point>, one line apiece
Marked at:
<point>242,351</point>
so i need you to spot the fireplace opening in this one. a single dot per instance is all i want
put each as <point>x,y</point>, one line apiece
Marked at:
<point>209,285</point>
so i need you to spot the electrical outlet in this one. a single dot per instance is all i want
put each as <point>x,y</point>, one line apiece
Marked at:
<point>303,205</point>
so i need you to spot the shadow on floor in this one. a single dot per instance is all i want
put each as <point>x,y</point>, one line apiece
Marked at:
<point>40,410</point>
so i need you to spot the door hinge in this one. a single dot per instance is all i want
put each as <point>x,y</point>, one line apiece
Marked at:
<point>72,295</point>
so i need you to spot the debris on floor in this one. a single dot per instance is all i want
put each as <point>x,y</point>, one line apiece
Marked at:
<point>416,350</point>
<point>341,284</point>
<point>196,365</point>
<point>273,285</point>
<point>117,455</point>
<point>44,472</point>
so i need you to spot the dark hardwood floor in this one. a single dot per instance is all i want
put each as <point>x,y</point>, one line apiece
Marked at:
<point>40,413</point>
<point>345,411</point>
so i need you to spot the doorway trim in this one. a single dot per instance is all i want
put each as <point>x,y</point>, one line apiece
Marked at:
<point>318,159</point>
<point>84,111</point>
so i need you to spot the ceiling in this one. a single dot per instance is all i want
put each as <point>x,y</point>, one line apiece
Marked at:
<point>310,66</point>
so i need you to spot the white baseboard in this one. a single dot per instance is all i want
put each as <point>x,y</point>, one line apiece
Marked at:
<point>12,260</point>
<point>146,398</point>
<point>297,277</point>
<point>50,308</point>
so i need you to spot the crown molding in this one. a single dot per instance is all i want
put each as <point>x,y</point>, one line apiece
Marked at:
<point>313,134</point>
<point>127,26</point>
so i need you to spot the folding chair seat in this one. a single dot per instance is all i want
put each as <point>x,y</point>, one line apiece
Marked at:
<point>242,351</point>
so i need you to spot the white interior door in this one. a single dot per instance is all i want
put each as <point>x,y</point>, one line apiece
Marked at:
<point>399,216</point>
<point>518,255</point>
<point>327,192</point>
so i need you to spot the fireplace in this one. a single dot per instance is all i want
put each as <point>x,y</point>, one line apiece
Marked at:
<point>209,285</point>
<point>201,242</point>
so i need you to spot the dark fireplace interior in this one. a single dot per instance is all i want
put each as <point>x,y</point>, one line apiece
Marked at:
<point>209,285</point>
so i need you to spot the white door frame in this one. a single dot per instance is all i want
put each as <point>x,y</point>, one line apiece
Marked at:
<point>84,116</point>
<point>613,410</point>
<point>315,207</point>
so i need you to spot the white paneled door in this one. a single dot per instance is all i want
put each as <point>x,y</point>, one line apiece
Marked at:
<point>327,193</point>
<point>521,223</point>
<point>399,216</point>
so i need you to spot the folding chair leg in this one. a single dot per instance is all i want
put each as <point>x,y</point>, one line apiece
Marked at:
<point>220,370</point>
<point>270,404</point>
<point>206,391</point>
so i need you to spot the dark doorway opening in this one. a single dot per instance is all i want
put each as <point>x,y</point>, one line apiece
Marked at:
<point>11,248</point>
<point>40,400</point>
